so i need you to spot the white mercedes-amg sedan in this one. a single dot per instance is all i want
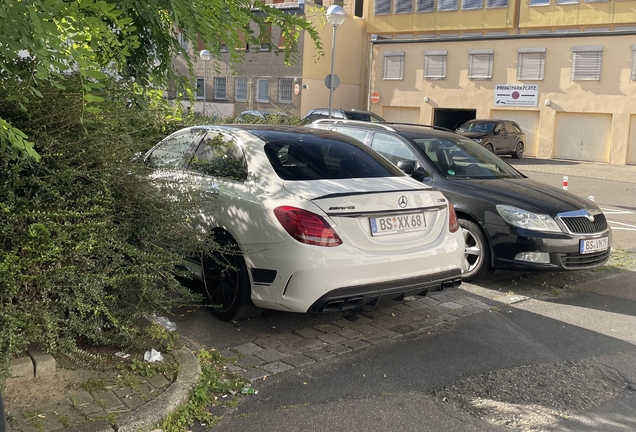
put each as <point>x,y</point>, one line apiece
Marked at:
<point>308,220</point>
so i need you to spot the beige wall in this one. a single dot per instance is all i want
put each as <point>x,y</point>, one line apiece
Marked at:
<point>350,58</point>
<point>615,94</point>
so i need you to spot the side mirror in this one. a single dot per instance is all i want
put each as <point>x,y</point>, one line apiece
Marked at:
<point>409,167</point>
<point>496,132</point>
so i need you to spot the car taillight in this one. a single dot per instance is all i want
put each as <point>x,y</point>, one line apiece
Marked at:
<point>453,223</point>
<point>307,227</point>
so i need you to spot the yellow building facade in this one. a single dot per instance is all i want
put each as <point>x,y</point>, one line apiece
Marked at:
<point>564,70</point>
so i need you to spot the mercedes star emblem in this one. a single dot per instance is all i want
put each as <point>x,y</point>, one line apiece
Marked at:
<point>403,202</point>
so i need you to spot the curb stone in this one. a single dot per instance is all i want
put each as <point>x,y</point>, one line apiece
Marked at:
<point>143,418</point>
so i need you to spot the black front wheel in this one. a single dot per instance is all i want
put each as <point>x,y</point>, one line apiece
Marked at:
<point>490,148</point>
<point>226,281</point>
<point>477,252</point>
<point>518,154</point>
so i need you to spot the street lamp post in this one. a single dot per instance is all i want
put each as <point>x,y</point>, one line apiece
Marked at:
<point>335,16</point>
<point>205,56</point>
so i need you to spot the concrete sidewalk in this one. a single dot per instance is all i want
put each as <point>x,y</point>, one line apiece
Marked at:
<point>596,170</point>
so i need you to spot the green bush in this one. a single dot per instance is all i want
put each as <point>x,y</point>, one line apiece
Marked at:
<point>88,244</point>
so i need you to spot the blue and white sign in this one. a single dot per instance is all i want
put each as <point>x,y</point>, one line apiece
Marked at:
<point>516,95</point>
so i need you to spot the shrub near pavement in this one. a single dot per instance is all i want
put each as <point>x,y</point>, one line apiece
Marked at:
<point>88,245</point>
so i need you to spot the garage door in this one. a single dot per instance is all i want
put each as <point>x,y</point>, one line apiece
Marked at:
<point>631,150</point>
<point>529,123</point>
<point>582,136</point>
<point>401,114</point>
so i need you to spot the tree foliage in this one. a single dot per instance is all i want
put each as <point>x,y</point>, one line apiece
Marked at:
<point>129,39</point>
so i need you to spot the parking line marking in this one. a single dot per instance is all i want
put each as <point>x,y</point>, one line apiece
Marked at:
<point>615,211</point>
<point>631,227</point>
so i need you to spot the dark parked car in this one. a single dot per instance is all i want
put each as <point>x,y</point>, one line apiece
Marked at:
<point>255,116</point>
<point>497,136</point>
<point>350,114</point>
<point>509,220</point>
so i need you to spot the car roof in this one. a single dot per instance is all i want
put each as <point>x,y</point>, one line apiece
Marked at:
<point>408,129</point>
<point>269,132</point>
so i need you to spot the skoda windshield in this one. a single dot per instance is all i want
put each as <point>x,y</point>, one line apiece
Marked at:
<point>464,159</point>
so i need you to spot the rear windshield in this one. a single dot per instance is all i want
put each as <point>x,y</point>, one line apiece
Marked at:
<point>313,158</point>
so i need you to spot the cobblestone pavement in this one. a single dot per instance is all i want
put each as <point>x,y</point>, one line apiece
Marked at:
<point>298,347</point>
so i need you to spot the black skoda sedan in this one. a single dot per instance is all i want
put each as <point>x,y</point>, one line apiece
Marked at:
<point>509,220</point>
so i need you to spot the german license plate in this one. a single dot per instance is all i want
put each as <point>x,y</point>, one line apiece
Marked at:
<point>397,224</point>
<point>594,245</point>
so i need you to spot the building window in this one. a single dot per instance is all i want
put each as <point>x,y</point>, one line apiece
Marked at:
<point>200,88</point>
<point>240,89</point>
<point>494,4</point>
<point>220,88</point>
<point>223,48</point>
<point>447,5</point>
<point>403,6</point>
<point>567,1</point>
<point>633,62</point>
<point>480,64</point>
<point>424,5</point>
<point>472,4</point>
<point>531,64</point>
<point>183,42</point>
<point>262,90</point>
<point>539,2</point>
<point>435,64</point>
<point>285,89</point>
<point>393,65</point>
<point>586,63</point>
<point>382,7</point>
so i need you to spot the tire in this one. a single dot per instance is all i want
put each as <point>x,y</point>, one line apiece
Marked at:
<point>518,154</point>
<point>489,148</point>
<point>226,282</point>
<point>477,254</point>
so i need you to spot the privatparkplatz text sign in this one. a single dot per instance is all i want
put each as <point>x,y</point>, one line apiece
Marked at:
<point>516,95</point>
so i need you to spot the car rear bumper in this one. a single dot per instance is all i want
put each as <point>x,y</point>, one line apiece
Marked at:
<point>310,278</point>
<point>563,249</point>
<point>371,294</point>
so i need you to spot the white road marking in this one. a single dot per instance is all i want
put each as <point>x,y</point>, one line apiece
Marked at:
<point>616,211</point>
<point>630,226</point>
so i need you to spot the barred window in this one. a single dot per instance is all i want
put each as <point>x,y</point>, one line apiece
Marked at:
<point>403,6</point>
<point>472,4</point>
<point>285,89</point>
<point>435,64</point>
<point>586,63</point>
<point>494,4</point>
<point>382,7</point>
<point>425,6</point>
<point>480,64</point>
<point>393,65</point>
<point>447,5</point>
<point>539,2</point>
<point>531,64</point>
<point>240,89</point>
<point>219,88</point>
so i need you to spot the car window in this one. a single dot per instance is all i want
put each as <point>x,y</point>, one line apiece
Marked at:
<point>220,156</point>
<point>313,116</point>
<point>477,126</point>
<point>325,159</point>
<point>464,159</point>
<point>358,134</point>
<point>392,148</point>
<point>516,128</point>
<point>172,151</point>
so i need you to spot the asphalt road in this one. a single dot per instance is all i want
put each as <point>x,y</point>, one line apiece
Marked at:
<point>551,351</point>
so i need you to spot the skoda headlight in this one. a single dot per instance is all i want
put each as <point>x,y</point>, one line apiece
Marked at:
<point>478,140</point>
<point>525,219</point>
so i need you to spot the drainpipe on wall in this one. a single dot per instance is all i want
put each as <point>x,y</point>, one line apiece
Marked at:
<point>517,16</point>
<point>371,46</point>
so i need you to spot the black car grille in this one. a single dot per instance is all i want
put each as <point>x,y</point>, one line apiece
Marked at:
<point>579,261</point>
<point>582,225</point>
